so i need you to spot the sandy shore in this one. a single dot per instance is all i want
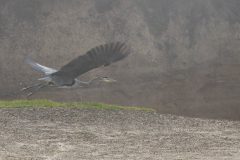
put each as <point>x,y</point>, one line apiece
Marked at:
<point>73,134</point>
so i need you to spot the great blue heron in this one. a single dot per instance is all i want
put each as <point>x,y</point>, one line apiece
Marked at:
<point>66,77</point>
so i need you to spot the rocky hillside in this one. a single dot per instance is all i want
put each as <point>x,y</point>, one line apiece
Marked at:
<point>185,56</point>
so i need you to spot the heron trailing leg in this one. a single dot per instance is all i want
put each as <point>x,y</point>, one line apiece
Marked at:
<point>32,86</point>
<point>39,86</point>
<point>24,89</point>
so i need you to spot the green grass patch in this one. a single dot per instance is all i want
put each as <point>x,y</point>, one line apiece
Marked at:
<point>48,103</point>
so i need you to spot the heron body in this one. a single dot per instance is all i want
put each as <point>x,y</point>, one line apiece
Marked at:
<point>66,76</point>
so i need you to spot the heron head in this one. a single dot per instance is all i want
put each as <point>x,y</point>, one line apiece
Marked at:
<point>108,80</point>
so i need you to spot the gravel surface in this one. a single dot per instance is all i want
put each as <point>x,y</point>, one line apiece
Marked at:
<point>76,134</point>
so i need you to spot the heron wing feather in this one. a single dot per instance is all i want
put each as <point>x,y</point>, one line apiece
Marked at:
<point>40,68</point>
<point>102,55</point>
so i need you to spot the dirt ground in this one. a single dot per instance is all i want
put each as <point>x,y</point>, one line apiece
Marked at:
<point>76,134</point>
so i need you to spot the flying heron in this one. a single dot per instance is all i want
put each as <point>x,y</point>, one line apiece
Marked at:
<point>66,76</point>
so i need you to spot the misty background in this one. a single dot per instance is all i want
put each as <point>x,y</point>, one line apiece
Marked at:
<point>185,53</point>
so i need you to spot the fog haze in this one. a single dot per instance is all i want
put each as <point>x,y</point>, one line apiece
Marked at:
<point>185,54</point>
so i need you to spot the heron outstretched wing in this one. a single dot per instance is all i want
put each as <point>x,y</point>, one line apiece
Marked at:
<point>102,55</point>
<point>40,68</point>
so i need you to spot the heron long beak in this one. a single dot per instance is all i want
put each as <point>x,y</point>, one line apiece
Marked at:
<point>109,80</point>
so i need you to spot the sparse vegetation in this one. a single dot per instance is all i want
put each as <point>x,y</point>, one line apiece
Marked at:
<point>49,103</point>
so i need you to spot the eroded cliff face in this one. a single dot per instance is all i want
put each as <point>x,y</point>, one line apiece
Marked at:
<point>185,54</point>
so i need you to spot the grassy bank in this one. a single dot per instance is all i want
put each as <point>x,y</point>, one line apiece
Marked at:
<point>49,103</point>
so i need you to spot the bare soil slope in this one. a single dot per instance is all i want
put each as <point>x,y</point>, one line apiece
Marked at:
<point>185,57</point>
<point>60,134</point>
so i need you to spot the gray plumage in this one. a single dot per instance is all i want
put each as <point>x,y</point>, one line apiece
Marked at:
<point>102,55</point>
<point>40,68</point>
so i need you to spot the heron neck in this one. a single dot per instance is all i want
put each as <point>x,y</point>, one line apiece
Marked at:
<point>94,80</point>
<point>87,83</point>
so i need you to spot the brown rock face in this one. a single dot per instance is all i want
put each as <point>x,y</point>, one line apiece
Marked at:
<point>185,56</point>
